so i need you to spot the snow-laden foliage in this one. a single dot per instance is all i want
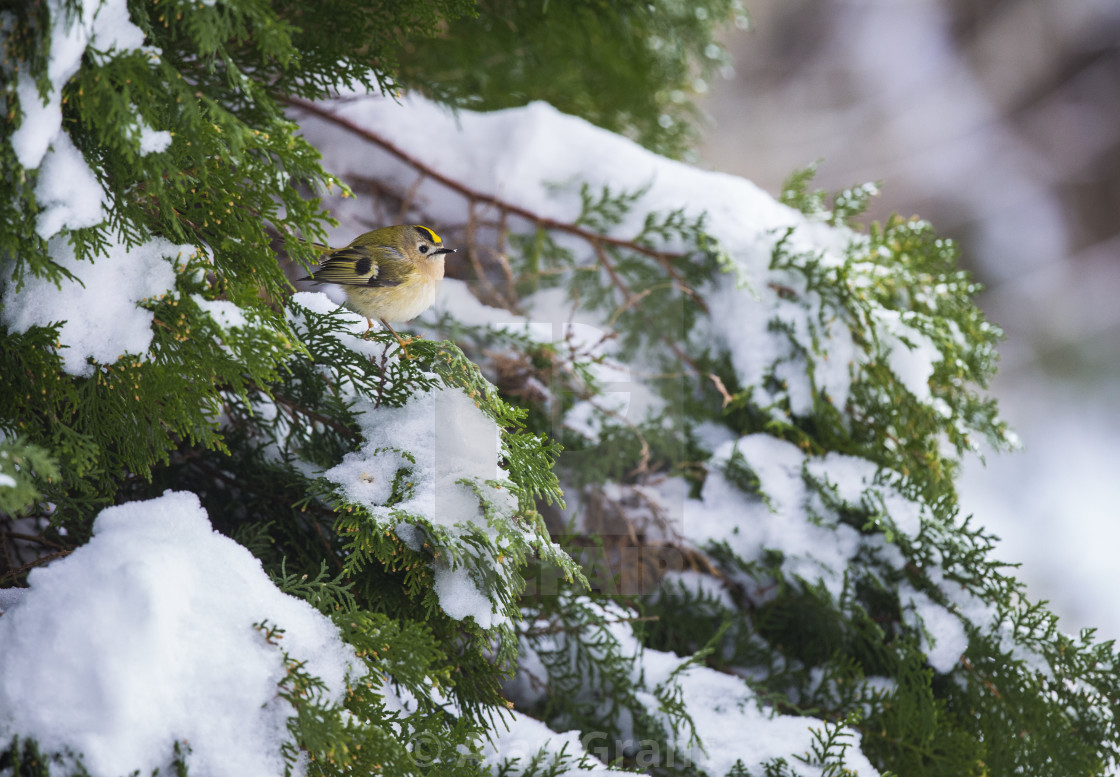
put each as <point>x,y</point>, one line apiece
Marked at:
<point>151,581</point>
<point>763,408</point>
<point>747,558</point>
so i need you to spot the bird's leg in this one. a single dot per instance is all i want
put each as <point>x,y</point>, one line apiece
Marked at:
<point>402,341</point>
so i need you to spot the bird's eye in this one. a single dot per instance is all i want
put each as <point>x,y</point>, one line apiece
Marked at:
<point>423,248</point>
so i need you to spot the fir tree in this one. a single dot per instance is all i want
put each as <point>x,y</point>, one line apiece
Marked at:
<point>748,560</point>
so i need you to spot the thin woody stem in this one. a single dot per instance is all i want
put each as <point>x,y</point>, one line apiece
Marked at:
<point>599,242</point>
<point>665,258</point>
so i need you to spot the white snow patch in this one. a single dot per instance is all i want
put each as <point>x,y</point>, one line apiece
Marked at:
<point>145,637</point>
<point>100,24</point>
<point>778,520</point>
<point>450,439</point>
<point>699,585</point>
<point>460,598</point>
<point>101,315</point>
<point>225,314</point>
<point>441,438</point>
<point>910,353</point>
<point>521,739</point>
<point>731,727</point>
<point>153,141</point>
<point>67,191</point>
<point>944,640</point>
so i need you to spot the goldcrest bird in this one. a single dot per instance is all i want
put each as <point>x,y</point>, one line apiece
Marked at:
<point>391,273</point>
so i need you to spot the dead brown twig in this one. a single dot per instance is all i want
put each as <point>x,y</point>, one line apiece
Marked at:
<point>665,258</point>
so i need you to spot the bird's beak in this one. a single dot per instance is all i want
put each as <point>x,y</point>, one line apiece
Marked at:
<point>445,251</point>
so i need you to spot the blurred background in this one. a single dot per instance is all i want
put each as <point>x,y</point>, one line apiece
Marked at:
<point>999,122</point>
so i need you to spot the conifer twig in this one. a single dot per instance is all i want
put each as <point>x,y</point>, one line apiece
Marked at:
<point>294,407</point>
<point>665,258</point>
<point>15,573</point>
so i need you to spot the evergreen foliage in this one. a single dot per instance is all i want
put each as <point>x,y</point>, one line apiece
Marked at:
<point>281,415</point>
<point>631,67</point>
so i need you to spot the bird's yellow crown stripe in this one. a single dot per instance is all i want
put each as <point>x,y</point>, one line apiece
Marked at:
<point>431,235</point>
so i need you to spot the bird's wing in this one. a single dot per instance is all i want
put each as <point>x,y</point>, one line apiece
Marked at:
<point>357,266</point>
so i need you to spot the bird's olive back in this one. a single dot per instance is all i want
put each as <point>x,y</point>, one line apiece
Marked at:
<point>407,240</point>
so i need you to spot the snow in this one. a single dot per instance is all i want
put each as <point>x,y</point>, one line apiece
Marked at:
<point>730,723</point>
<point>456,299</point>
<point>618,394</point>
<point>851,476</point>
<point>102,319</point>
<point>442,437</point>
<point>809,353</point>
<point>773,520</point>
<point>102,25</point>
<point>354,339</point>
<point>460,597</point>
<point>857,484</point>
<point>153,141</point>
<point>318,302</point>
<point>515,158</point>
<point>449,452</point>
<point>224,313</point>
<point>576,334</point>
<point>910,353</point>
<point>723,710</point>
<point>144,637</point>
<point>67,191</point>
<point>943,636</point>
<point>522,738</point>
<point>742,328</point>
<point>1055,504</point>
<point>9,597</point>
<point>40,122</point>
<point>699,585</point>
